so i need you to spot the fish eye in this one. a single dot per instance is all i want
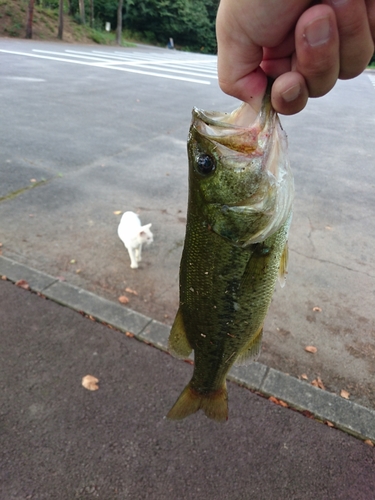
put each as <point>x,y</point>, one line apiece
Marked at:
<point>205,164</point>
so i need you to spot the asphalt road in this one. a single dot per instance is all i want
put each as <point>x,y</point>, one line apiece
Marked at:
<point>60,441</point>
<point>95,134</point>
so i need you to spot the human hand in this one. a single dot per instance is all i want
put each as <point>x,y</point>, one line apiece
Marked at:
<point>304,45</point>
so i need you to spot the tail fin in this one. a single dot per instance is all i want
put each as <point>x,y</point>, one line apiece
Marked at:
<point>214,404</point>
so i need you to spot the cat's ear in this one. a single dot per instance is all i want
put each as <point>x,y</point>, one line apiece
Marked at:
<point>147,226</point>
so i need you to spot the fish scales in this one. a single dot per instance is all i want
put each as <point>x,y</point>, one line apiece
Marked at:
<point>239,213</point>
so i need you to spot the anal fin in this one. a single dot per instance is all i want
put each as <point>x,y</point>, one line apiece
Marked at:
<point>178,343</point>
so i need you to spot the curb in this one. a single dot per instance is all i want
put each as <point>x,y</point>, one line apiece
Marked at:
<point>325,406</point>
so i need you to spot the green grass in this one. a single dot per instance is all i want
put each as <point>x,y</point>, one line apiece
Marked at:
<point>105,37</point>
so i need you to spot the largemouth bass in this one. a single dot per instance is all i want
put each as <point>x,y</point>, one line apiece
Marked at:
<point>239,212</point>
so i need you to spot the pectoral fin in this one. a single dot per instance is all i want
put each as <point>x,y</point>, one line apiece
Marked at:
<point>283,269</point>
<point>178,343</point>
<point>252,349</point>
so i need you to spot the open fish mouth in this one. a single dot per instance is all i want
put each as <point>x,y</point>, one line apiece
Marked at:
<point>244,130</point>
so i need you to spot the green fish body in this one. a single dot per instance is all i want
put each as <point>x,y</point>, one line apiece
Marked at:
<point>239,213</point>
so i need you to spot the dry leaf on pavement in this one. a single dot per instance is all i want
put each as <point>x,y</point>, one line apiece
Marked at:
<point>117,212</point>
<point>310,348</point>
<point>304,376</point>
<point>317,309</point>
<point>91,383</point>
<point>23,284</point>
<point>129,290</point>
<point>344,394</point>
<point>123,299</point>
<point>317,382</point>
<point>278,402</point>
<point>369,442</point>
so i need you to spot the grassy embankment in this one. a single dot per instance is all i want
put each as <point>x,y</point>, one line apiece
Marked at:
<point>13,18</point>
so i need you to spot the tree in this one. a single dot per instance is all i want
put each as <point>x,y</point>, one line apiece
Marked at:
<point>91,13</point>
<point>61,20</point>
<point>119,23</point>
<point>29,24</point>
<point>82,11</point>
<point>189,22</point>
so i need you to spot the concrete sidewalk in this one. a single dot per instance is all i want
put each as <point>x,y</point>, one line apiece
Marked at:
<point>61,441</point>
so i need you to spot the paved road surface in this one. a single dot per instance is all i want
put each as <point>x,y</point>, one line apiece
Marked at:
<point>60,441</point>
<point>100,133</point>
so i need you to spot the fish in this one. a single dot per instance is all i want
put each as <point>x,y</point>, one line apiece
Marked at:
<point>239,212</point>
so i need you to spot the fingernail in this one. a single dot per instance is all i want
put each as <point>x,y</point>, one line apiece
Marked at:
<point>318,32</point>
<point>291,93</point>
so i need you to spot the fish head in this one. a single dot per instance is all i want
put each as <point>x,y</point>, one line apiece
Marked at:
<point>239,174</point>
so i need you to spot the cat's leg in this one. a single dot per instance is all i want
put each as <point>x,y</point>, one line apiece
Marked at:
<point>139,253</point>
<point>133,258</point>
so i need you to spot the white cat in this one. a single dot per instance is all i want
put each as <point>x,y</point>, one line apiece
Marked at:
<point>134,235</point>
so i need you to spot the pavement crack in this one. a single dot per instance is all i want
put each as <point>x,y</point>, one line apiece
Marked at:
<point>18,192</point>
<point>324,261</point>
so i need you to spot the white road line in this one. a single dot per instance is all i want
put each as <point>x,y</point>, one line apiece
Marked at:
<point>157,66</point>
<point>105,65</point>
<point>24,79</point>
<point>372,79</point>
<point>71,54</point>
<point>149,60</point>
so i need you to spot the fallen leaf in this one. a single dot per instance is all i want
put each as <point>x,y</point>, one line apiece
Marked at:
<point>117,212</point>
<point>369,442</point>
<point>129,290</point>
<point>330,424</point>
<point>78,271</point>
<point>123,299</point>
<point>32,180</point>
<point>317,309</point>
<point>91,383</point>
<point>4,278</point>
<point>278,402</point>
<point>308,414</point>
<point>23,284</point>
<point>318,383</point>
<point>310,348</point>
<point>344,394</point>
<point>304,376</point>
<point>329,228</point>
<point>128,334</point>
<point>73,261</point>
<point>283,404</point>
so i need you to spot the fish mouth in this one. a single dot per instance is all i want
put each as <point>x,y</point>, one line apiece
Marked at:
<point>244,131</point>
